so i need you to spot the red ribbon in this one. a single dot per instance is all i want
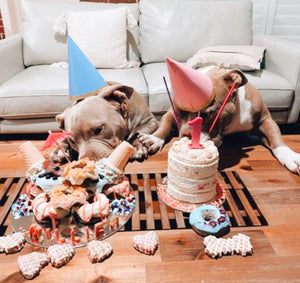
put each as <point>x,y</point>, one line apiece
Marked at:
<point>222,107</point>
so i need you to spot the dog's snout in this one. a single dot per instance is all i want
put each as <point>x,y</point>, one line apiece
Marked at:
<point>94,151</point>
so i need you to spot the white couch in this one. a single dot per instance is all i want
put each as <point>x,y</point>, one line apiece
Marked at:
<point>32,92</point>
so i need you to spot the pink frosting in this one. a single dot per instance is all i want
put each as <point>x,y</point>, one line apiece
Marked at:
<point>181,150</point>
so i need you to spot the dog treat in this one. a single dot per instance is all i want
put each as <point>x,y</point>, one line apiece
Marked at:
<point>12,243</point>
<point>65,196</point>
<point>98,250</point>
<point>242,244</point>
<point>238,244</point>
<point>42,208</point>
<point>146,243</point>
<point>98,209</point>
<point>120,156</point>
<point>31,154</point>
<point>78,171</point>
<point>192,173</point>
<point>60,254</point>
<point>31,264</point>
<point>209,220</point>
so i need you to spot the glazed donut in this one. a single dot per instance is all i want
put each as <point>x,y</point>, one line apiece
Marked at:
<point>209,220</point>
<point>42,208</point>
<point>78,171</point>
<point>65,196</point>
<point>98,209</point>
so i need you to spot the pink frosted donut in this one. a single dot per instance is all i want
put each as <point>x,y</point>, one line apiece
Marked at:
<point>42,208</point>
<point>98,209</point>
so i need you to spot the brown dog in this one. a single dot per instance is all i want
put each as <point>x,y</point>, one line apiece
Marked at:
<point>99,123</point>
<point>245,111</point>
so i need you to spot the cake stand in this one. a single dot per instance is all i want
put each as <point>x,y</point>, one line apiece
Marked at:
<point>71,225</point>
<point>164,196</point>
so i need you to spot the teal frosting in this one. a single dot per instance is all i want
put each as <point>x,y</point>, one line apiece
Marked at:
<point>48,184</point>
<point>209,218</point>
<point>106,175</point>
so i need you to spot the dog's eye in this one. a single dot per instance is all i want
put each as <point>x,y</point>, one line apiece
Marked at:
<point>98,130</point>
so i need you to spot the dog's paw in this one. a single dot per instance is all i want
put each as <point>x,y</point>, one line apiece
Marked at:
<point>288,158</point>
<point>140,152</point>
<point>153,143</point>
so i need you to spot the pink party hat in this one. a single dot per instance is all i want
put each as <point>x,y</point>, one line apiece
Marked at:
<point>192,90</point>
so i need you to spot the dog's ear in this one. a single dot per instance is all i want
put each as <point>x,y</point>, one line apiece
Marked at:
<point>236,77</point>
<point>118,95</point>
<point>60,119</point>
<point>110,87</point>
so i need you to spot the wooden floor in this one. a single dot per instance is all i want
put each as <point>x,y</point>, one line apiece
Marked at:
<point>181,257</point>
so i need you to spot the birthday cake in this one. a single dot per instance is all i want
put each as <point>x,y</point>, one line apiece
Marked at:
<point>192,173</point>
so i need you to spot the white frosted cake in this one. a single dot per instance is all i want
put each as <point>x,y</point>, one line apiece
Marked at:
<point>192,173</point>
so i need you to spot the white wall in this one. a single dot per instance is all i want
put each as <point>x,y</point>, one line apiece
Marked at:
<point>280,18</point>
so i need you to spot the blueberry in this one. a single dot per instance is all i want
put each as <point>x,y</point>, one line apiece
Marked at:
<point>54,178</point>
<point>56,168</point>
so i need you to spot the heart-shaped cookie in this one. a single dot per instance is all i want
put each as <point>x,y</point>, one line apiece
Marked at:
<point>31,264</point>
<point>60,254</point>
<point>146,243</point>
<point>12,243</point>
<point>98,250</point>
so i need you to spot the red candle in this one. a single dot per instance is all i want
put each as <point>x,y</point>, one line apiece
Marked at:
<point>197,127</point>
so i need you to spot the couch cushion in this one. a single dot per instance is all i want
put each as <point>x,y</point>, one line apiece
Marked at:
<point>42,91</point>
<point>176,28</point>
<point>277,92</point>
<point>38,19</point>
<point>24,126</point>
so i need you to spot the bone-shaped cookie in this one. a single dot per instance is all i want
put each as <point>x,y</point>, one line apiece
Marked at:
<point>239,244</point>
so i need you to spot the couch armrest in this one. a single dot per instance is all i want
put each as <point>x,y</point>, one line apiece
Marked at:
<point>283,57</point>
<point>11,57</point>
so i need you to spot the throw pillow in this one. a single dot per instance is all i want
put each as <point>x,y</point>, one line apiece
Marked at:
<point>244,57</point>
<point>101,35</point>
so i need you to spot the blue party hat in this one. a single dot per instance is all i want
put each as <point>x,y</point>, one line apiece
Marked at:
<point>84,79</point>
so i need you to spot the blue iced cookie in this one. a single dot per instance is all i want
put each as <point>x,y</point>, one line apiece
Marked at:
<point>209,220</point>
